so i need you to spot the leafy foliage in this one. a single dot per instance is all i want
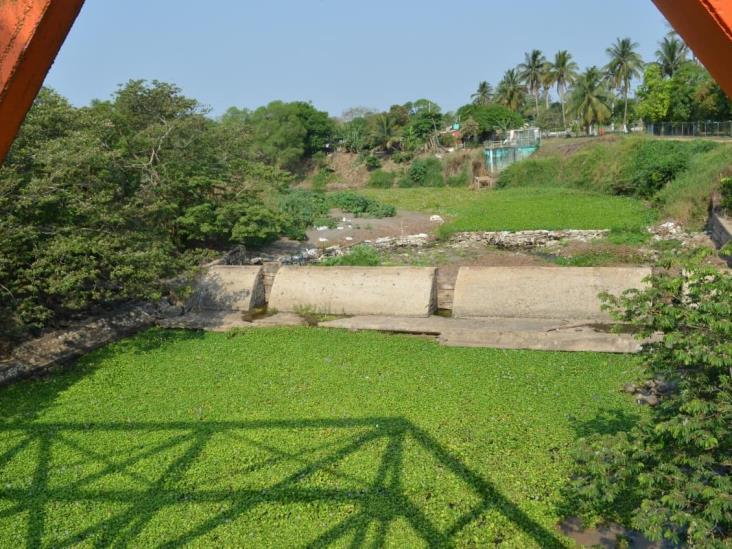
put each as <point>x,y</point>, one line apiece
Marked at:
<point>101,204</point>
<point>372,162</point>
<point>726,190</point>
<point>424,172</point>
<point>652,164</point>
<point>676,463</point>
<point>360,255</point>
<point>360,205</point>
<point>381,179</point>
<point>492,119</point>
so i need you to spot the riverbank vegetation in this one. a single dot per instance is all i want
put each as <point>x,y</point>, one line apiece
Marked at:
<point>676,177</point>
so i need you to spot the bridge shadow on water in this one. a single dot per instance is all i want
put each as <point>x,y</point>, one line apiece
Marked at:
<point>377,503</point>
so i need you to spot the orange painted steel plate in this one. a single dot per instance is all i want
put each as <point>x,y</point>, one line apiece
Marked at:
<point>706,26</point>
<point>31,34</point>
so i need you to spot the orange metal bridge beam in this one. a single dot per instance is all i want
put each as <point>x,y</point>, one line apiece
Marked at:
<point>31,34</point>
<point>706,26</point>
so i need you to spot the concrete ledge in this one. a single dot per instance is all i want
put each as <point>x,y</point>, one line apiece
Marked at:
<point>720,228</point>
<point>402,291</point>
<point>58,348</point>
<point>499,333</point>
<point>541,292</point>
<point>569,340</point>
<point>229,288</point>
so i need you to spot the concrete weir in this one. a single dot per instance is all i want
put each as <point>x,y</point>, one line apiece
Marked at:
<point>399,291</point>
<point>541,292</point>
<point>229,288</point>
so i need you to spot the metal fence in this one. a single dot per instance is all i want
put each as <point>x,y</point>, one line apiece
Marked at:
<point>691,129</point>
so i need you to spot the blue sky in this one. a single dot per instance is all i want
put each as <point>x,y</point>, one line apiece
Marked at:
<point>335,53</point>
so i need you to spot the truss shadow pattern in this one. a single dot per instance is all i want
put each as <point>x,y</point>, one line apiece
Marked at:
<point>138,497</point>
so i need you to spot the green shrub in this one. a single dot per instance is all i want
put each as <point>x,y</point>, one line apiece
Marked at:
<point>301,208</point>
<point>653,164</point>
<point>372,162</point>
<point>424,172</point>
<point>530,172</point>
<point>325,221</point>
<point>321,179</point>
<point>381,179</point>
<point>461,179</point>
<point>672,470</point>
<point>361,255</point>
<point>726,188</point>
<point>360,205</point>
<point>402,157</point>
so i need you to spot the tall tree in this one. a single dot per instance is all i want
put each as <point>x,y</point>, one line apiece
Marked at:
<point>565,72</point>
<point>671,54</point>
<point>484,94</point>
<point>590,98</point>
<point>511,91</point>
<point>530,71</point>
<point>547,81</point>
<point>625,64</point>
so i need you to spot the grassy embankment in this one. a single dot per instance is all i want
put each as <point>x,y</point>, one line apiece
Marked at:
<point>617,183</point>
<point>320,436</point>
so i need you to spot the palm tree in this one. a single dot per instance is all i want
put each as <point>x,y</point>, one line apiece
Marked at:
<point>484,95</point>
<point>565,71</point>
<point>589,99</point>
<point>625,64</point>
<point>671,54</point>
<point>530,72</point>
<point>384,132</point>
<point>510,91</point>
<point>547,81</point>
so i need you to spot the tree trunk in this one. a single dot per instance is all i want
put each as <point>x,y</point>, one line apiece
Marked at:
<point>625,108</point>
<point>536,101</point>
<point>561,100</point>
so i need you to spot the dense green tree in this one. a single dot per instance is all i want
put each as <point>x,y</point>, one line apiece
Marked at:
<point>470,129</point>
<point>491,119</point>
<point>625,64</point>
<point>285,134</point>
<point>590,99</point>
<point>654,95</point>
<point>100,204</point>
<point>530,72</point>
<point>565,72</point>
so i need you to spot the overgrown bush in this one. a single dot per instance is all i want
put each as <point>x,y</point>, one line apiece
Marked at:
<point>424,172</point>
<point>360,255</point>
<point>302,209</point>
<point>402,157</point>
<point>360,205</point>
<point>320,180</point>
<point>654,163</point>
<point>532,171</point>
<point>372,162</point>
<point>461,179</point>
<point>725,186</point>
<point>381,179</point>
<point>672,469</point>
